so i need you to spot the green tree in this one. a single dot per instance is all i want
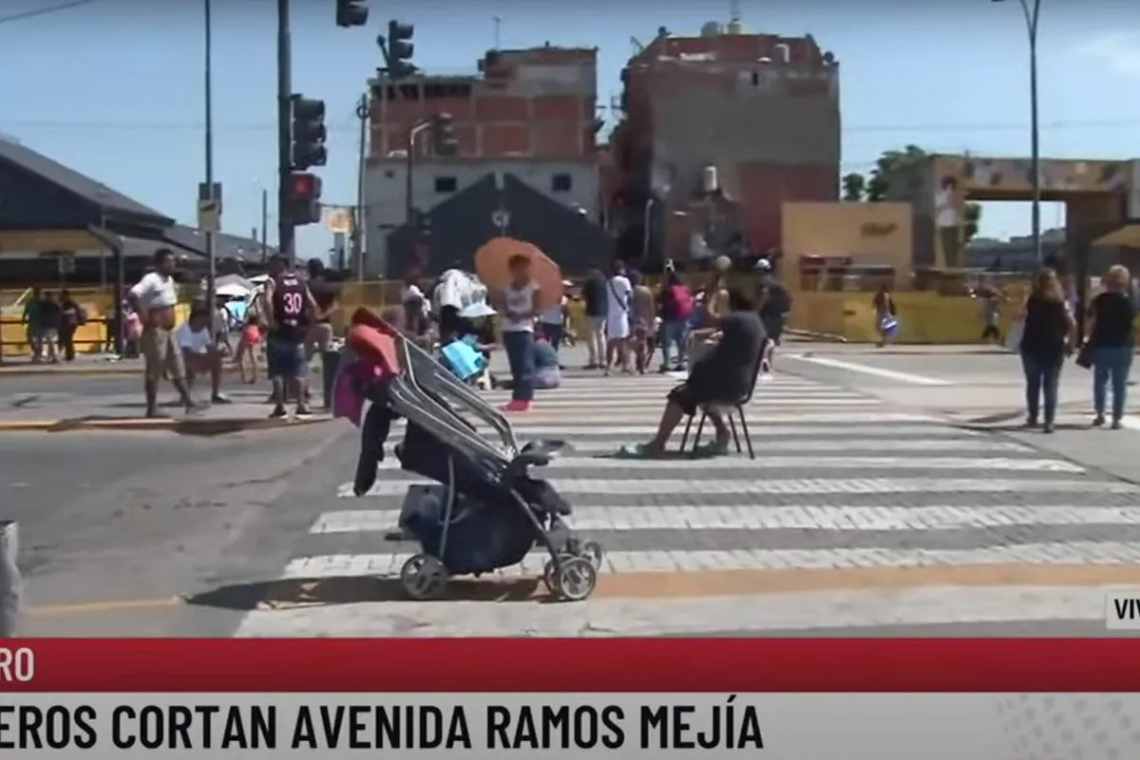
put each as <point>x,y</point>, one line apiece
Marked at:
<point>890,166</point>
<point>973,217</point>
<point>854,185</point>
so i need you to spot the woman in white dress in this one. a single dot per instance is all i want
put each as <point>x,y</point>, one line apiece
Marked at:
<point>619,292</point>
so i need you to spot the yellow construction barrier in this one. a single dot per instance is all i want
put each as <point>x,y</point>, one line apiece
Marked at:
<point>924,317</point>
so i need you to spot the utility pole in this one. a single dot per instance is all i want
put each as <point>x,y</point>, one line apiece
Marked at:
<point>285,229</point>
<point>264,224</point>
<point>211,254</point>
<point>362,167</point>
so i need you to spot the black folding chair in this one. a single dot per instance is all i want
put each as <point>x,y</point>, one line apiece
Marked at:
<point>734,409</point>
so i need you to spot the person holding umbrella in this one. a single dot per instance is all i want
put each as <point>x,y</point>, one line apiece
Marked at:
<point>527,283</point>
<point>519,312</point>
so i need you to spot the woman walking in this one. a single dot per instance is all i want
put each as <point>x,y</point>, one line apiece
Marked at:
<point>1046,339</point>
<point>886,314</point>
<point>1110,344</point>
<point>676,306</point>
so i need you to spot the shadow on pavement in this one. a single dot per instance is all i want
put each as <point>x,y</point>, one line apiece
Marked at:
<point>329,592</point>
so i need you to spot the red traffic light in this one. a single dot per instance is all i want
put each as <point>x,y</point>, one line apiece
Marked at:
<point>304,186</point>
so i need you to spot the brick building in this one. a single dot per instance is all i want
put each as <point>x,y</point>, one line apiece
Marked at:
<point>528,113</point>
<point>719,130</point>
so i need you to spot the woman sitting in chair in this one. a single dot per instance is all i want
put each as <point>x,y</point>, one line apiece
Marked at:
<point>723,376</point>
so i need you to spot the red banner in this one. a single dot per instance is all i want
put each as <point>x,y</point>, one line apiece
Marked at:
<point>571,665</point>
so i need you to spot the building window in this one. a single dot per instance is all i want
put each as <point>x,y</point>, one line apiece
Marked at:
<point>561,183</point>
<point>445,185</point>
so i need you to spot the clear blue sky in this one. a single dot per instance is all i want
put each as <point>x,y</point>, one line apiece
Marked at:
<point>114,88</point>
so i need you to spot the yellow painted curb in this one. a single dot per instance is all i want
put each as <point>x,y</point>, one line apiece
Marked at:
<point>87,608</point>
<point>138,424</point>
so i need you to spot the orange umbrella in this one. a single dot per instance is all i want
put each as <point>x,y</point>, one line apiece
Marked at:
<point>491,266</point>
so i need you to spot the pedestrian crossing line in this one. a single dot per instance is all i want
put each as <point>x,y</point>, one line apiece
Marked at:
<point>594,448</point>
<point>568,487</point>
<point>571,430</point>
<point>656,394</point>
<point>818,518</point>
<point>388,564</point>
<point>680,465</point>
<point>657,404</point>
<point>780,603</point>
<point>537,418</point>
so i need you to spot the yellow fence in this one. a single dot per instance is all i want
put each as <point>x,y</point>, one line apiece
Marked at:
<point>923,317</point>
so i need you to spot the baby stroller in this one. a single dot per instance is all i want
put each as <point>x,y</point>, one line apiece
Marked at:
<point>485,511</point>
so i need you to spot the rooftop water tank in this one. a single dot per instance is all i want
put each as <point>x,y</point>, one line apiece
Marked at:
<point>712,29</point>
<point>735,27</point>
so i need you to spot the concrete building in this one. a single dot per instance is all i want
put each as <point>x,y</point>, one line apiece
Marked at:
<point>529,113</point>
<point>720,130</point>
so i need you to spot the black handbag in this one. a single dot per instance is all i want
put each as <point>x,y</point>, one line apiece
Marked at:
<point>1085,356</point>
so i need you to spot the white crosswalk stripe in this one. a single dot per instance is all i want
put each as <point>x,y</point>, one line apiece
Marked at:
<point>843,484</point>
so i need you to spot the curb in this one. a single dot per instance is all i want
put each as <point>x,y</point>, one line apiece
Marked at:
<point>203,427</point>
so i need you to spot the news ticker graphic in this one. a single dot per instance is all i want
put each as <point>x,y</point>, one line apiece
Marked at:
<point>628,725</point>
<point>594,665</point>
<point>891,699</point>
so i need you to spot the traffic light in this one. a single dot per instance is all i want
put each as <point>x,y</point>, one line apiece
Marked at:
<point>400,50</point>
<point>304,198</point>
<point>443,139</point>
<point>351,13</point>
<point>308,133</point>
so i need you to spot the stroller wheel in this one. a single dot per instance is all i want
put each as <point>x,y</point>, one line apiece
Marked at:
<point>576,580</point>
<point>592,551</point>
<point>550,573</point>
<point>423,577</point>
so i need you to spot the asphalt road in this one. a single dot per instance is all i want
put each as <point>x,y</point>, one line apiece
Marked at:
<point>77,384</point>
<point>114,526</point>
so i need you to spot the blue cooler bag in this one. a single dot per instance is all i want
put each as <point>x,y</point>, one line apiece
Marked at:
<point>464,361</point>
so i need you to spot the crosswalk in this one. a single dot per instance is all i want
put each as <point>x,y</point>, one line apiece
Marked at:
<point>852,514</point>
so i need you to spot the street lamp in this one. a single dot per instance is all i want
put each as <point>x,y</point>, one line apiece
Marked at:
<point>414,132</point>
<point>1032,10</point>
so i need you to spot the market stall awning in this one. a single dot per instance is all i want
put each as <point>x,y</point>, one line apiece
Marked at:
<point>1127,236</point>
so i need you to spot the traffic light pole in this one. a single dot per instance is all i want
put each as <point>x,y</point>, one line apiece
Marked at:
<point>285,230</point>
<point>211,254</point>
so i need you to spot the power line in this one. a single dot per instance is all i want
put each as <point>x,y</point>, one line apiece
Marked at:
<point>45,11</point>
<point>50,124</point>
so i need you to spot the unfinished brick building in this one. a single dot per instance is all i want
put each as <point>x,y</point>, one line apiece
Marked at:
<point>528,114</point>
<point>538,102</point>
<point>719,130</point>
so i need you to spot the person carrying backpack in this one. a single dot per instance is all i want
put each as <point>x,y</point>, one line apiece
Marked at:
<point>676,309</point>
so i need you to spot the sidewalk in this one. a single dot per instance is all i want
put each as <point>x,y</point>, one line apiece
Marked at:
<point>917,349</point>
<point>61,412</point>
<point>84,364</point>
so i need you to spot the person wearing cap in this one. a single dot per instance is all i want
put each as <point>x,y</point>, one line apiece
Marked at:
<point>199,353</point>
